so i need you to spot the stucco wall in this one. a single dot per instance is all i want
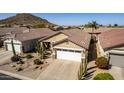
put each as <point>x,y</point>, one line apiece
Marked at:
<point>29,45</point>
<point>100,51</point>
<point>56,38</point>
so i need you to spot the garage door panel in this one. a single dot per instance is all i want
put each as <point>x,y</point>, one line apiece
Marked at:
<point>117,60</point>
<point>17,48</point>
<point>69,55</point>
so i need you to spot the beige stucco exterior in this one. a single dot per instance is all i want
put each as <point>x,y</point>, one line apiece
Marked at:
<point>100,51</point>
<point>56,38</point>
<point>71,46</point>
<point>60,41</point>
<point>68,44</point>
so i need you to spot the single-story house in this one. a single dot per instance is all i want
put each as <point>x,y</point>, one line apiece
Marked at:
<point>111,44</point>
<point>26,40</point>
<point>70,44</point>
<point>5,32</point>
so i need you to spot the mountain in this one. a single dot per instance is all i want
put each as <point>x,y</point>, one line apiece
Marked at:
<point>25,19</point>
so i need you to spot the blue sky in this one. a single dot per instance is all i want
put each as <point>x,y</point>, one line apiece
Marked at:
<point>77,18</point>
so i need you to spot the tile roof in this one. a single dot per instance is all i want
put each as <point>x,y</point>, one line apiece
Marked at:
<point>78,36</point>
<point>34,34</point>
<point>4,31</point>
<point>112,38</point>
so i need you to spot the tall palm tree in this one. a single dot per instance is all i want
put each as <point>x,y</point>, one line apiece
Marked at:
<point>94,25</point>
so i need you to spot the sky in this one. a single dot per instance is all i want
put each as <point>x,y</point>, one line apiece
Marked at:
<point>77,18</point>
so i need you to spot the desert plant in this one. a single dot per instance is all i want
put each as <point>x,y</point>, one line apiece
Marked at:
<point>29,56</point>
<point>13,48</point>
<point>15,58</point>
<point>83,69</point>
<point>38,62</point>
<point>41,49</point>
<point>103,76</point>
<point>20,61</point>
<point>102,63</point>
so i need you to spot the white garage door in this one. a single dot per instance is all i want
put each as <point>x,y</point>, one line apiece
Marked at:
<point>16,46</point>
<point>69,55</point>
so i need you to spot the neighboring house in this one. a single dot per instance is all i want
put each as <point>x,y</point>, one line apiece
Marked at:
<point>6,32</point>
<point>70,44</point>
<point>26,40</point>
<point>111,44</point>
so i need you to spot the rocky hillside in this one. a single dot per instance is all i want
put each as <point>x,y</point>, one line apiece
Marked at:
<point>25,19</point>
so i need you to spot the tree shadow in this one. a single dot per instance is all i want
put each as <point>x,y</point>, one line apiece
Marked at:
<point>89,75</point>
<point>90,68</point>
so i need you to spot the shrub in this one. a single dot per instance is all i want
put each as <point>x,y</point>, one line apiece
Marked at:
<point>20,62</point>
<point>15,58</point>
<point>102,63</point>
<point>38,62</point>
<point>19,69</point>
<point>28,56</point>
<point>103,76</point>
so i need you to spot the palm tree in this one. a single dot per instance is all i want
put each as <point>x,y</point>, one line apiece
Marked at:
<point>94,25</point>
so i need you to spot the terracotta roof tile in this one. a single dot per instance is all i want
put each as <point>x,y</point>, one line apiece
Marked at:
<point>112,38</point>
<point>78,36</point>
<point>34,34</point>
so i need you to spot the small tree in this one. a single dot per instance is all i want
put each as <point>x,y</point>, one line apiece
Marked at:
<point>115,25</point>
<point>59,28</point>
<point>40,25</point>
<point>102,63</point>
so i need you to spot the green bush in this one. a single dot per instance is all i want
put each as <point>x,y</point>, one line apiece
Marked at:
<point>103,76</point>
<point>29,56</point>
<point>15,58</point>
<point>38,62</point>
<point>102,63</point>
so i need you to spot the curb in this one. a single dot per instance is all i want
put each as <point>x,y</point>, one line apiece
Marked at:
<point>15,75</point>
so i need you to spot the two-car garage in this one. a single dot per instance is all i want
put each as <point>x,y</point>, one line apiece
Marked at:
<point>67,54</point>
<point>17,45</point>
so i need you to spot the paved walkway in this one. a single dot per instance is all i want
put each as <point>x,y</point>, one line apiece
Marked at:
<point>60,70</point>
<point>117,72</point>
<point>5,56</point>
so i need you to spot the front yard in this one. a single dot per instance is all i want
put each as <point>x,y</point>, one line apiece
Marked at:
<point>27,68</point>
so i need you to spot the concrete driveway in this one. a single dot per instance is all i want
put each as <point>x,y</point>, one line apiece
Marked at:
<point>117,72</point>
<point>5,56</point>
<point>60,70</point>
